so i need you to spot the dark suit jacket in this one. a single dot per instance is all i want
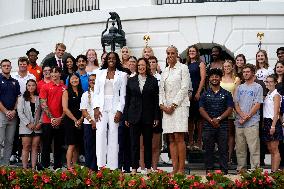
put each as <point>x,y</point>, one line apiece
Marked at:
<point>51,62</point>
<point>142,106</point>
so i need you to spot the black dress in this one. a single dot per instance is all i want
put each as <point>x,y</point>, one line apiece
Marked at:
<point>73,134</point>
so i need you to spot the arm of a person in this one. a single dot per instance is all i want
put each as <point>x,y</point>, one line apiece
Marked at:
<point>65,106</point>
<point>127,101</point>
<point>2,108</point>
<point>43,102</point>
<point>156,93</point>
<point>21,114</point>
<point>122,93</point>
<point>276,100</point>
<point>162,91</point>
<point>258,101</point>
<point>203,77</point>
<point>183,91</point>
<point>230,106</point>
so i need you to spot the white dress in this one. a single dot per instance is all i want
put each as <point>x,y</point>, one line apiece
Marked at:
<point>174,86</point>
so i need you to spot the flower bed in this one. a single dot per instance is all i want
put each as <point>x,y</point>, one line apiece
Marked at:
<point>81,177</point>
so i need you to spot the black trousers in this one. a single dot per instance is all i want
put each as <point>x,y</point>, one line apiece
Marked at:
<point>48,134</point>
<point>135,132</point>
<point>90,147</point>
<point>219,136</point>
<point>124,157</point>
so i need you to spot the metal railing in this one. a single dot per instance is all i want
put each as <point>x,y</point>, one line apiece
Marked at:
<point>44,8</point>
<point>161,2</point>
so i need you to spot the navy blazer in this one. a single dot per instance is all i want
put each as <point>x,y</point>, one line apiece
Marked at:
<point>143,106</point>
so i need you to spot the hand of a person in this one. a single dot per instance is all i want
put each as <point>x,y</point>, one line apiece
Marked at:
<point>31,126</point>
<point>55,122</point>
<point>272,130</point>
<point>37,127</point>
<point>11,114</point>
<point>126,123</point>
<point>156,123</point>
<point>215,122</point>
<point>97,114</point>
<point>197,96</point>
<point>94,125</point>
<point>117,117</point>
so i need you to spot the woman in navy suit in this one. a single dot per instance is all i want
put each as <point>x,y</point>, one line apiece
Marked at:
<point>142,112</point>
<point>109,100</point>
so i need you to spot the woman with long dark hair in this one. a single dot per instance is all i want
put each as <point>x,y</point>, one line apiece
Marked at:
<point>109,100</point>
<point>29,112</point>
<point>69,67</point>
<point>71,99</point>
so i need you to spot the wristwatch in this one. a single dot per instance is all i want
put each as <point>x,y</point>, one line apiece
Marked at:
<point>219,118</point>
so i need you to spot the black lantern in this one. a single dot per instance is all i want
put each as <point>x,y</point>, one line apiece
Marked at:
<point>115,36</point>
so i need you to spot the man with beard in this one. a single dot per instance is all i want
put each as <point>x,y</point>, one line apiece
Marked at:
<point>215,105</point>
<point>248,98</point>
<point>217,58</point>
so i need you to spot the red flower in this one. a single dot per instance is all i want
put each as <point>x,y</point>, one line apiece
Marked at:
<point>253,179</point>
<point>17,187</point>
<point>176,186</point>
<point>12,175</point>
<point>63,176</point>
<point>209,174</point>
<point>268,180</point>
<point>88,182</point>
<point>196,184</point>
<point>3,171</point>
<point>212,182</point>
<point>35,177</point>
<point>132,183</point>
<point>191,177</point>
<point>99,174</point>
<point>45,179</point>
<point>218,172</point>
<point>260,182</point>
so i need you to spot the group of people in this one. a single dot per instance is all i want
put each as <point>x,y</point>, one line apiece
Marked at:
<point>115,112</point>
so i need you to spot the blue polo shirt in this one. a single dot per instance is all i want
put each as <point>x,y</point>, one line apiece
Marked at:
<point>84,81</point>
<point>215,104</point>
<point>9,92</point>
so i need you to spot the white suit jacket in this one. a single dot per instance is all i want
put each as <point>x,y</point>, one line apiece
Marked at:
<point>119,90</point>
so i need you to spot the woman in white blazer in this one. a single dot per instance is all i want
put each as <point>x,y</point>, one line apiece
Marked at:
<point>29,112</point>
<point>109,100</point>
<point>174,102</point>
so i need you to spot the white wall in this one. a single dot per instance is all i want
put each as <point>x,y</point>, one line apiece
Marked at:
<point>232,25</point>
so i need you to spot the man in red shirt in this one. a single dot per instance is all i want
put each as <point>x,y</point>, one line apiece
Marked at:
<point>33,68</point>
<point>51,103</point>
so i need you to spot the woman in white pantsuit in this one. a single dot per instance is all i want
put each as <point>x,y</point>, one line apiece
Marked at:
<point>109,100</point>
<point>174,102</point>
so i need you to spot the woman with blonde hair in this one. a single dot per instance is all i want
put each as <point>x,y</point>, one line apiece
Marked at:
<point>92,63</point>
<point>230,82</point>
<point>124,56</point>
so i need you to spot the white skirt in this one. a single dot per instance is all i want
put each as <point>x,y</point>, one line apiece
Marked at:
<point>177,122</point>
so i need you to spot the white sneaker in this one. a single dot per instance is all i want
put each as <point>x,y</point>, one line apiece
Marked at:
<point>170,161</point>
<point>13,158</point>
<point>144,171</point>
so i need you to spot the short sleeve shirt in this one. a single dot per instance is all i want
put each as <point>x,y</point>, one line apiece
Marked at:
<point>23,80</point>
<point>215,104</point>
<point>246,97</point>
<point>9,91</point>
<point>53,94</point>
<point>87,104</point>
<point>36,71</point>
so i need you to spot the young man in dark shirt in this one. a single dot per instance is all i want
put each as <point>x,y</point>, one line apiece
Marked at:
<point>215,105</point>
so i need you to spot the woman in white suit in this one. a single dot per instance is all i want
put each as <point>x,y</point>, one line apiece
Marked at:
<point>109,100</point>
<point>29,112</point>
<point>174,102</point>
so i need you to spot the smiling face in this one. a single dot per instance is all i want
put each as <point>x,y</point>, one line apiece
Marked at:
<point>69,63</point>
<point>247,74</point>
<point>59,51</point>
<point>132,65</point>
<point>46,72</point>
<point>260,58</point>
<point>142,67</point>
<point>215,53</point>
<point>214,80</point>
<point>279,68</point>
<point>92,55</point>
<point>31,86</point>
<point>125,53</point>
<point>82,64</point>
<point>92,80</point>
<point>147,52</point>
<point>33,56</point>
<point>270,83</point>
<point>280,55</point>
<point>55,75</point>
<point>192,53</point>
<point>227,67</point>
<point>111,61</point>
<point>74,80</point>
<point>240,62</point>
<point>23,66</point>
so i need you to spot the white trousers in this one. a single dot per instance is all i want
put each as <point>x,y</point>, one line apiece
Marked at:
<point>107,139</point>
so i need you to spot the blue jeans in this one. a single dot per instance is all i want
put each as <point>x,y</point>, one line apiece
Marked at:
<point>90,147</point>
<point>219,136</point>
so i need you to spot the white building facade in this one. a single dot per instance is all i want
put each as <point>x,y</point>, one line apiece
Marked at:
<point>232,25</point>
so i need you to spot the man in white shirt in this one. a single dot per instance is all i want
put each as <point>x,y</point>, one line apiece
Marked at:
<point>22,76</point>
